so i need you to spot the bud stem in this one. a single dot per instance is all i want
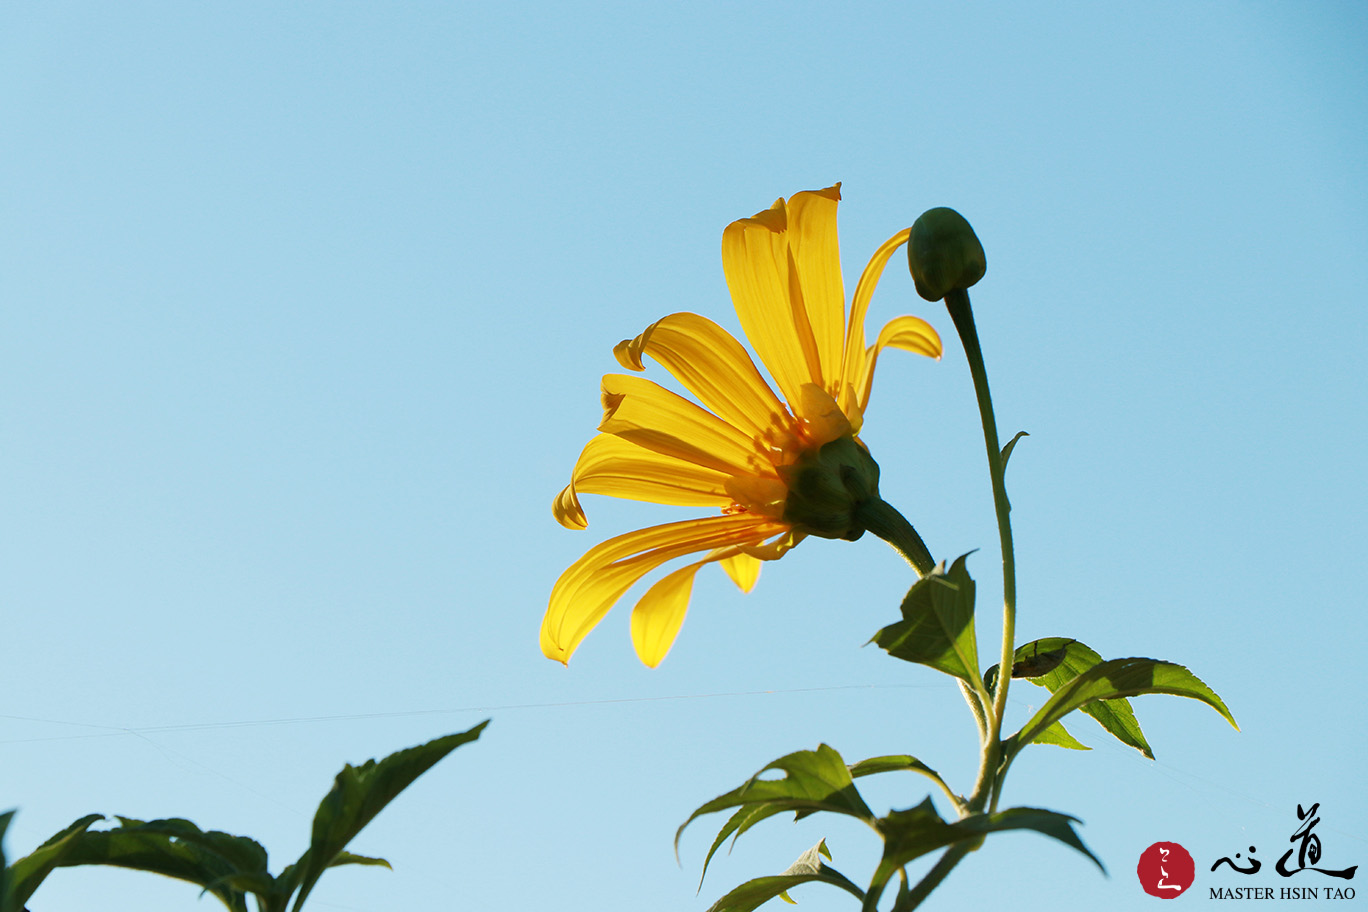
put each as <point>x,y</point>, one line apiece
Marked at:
<point>890,525</point>
<point>957,302</point>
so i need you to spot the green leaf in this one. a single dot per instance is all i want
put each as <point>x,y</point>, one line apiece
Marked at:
<point>1119,678</point>
<point>350,858</point>
<point>813,781</point>
<point>1037,659</point>
<point>357,795</point>
<point>907,835</point>
<point>1049,823</point>
<point>1011,445</point>
<point>898,763</point>
<point>6,900</point>
<point>25,875</point>
<point>1055,661</point>
<point>808,868</point>
<point>910,834</point>
<point>260,883</point>
<point>892,763</point>
<point>1059,736</point>
<point>174,848</point>
<point>938,624</point>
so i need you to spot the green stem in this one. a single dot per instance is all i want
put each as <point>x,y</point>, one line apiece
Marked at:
<point>957,302</point>
<point>976,706</point>
<point>890,525</point>
<point>938,872</point>
<point>887,523</point>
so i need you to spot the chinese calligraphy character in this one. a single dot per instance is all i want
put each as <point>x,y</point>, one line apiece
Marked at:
<point>1163,883</point>
<point>1310,848</point>
<point>1254,863</point>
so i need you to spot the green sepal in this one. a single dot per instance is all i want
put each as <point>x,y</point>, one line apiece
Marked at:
<point>827,486</point>
<point>808,868</point>
<point>357,795</point>
<point>813,781</point>
<point>938,624</point>
<point>1115,679</point>
<point>910,834</point>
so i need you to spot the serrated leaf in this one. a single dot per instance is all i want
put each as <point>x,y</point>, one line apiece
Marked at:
<point>813,781</point>
<point>808,868</point>
<point>910,834</point>
<point>357,795</point>
<point>1120,678</point>
<point>938,624</point>
<point>749,815</point>
<point>1037,661</point>
<point>26,874</point>
<point>173,848</point>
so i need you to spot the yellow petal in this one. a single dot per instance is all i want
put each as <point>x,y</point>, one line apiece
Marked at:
<point>743,569</point>
<point>853,363</point>
<point>823,420</point>
<point>656,619</point>
<point>567,510</point>
<point>615,467</point>
<point>777,548</point>
<point>714,367</point>
<point>817,257</point>
<point>758,494</point>
<point>768,299</point>
<point>907,333</point>
<point>594,583</point>
<point>651,416</point>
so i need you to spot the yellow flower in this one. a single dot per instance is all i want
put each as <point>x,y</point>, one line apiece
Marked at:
<point>784,273</point>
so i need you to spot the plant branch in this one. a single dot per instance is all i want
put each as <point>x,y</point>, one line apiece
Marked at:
<point>957,302</point>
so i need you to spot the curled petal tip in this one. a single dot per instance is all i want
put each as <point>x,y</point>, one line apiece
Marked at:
<point>628,351</point>
<point>567,510</point>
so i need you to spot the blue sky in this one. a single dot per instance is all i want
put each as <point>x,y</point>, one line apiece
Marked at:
<point>305,311</point>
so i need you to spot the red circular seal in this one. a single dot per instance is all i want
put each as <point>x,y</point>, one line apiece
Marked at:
<point>1165,870</point>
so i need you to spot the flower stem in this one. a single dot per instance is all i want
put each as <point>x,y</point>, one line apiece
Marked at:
<point>957,302</point>
<point>890,525</point>
<point>976,707</point>
<point>914,897</point>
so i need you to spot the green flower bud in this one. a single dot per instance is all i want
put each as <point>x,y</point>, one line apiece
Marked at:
<point>827,486</point>
<point>944,254</point>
